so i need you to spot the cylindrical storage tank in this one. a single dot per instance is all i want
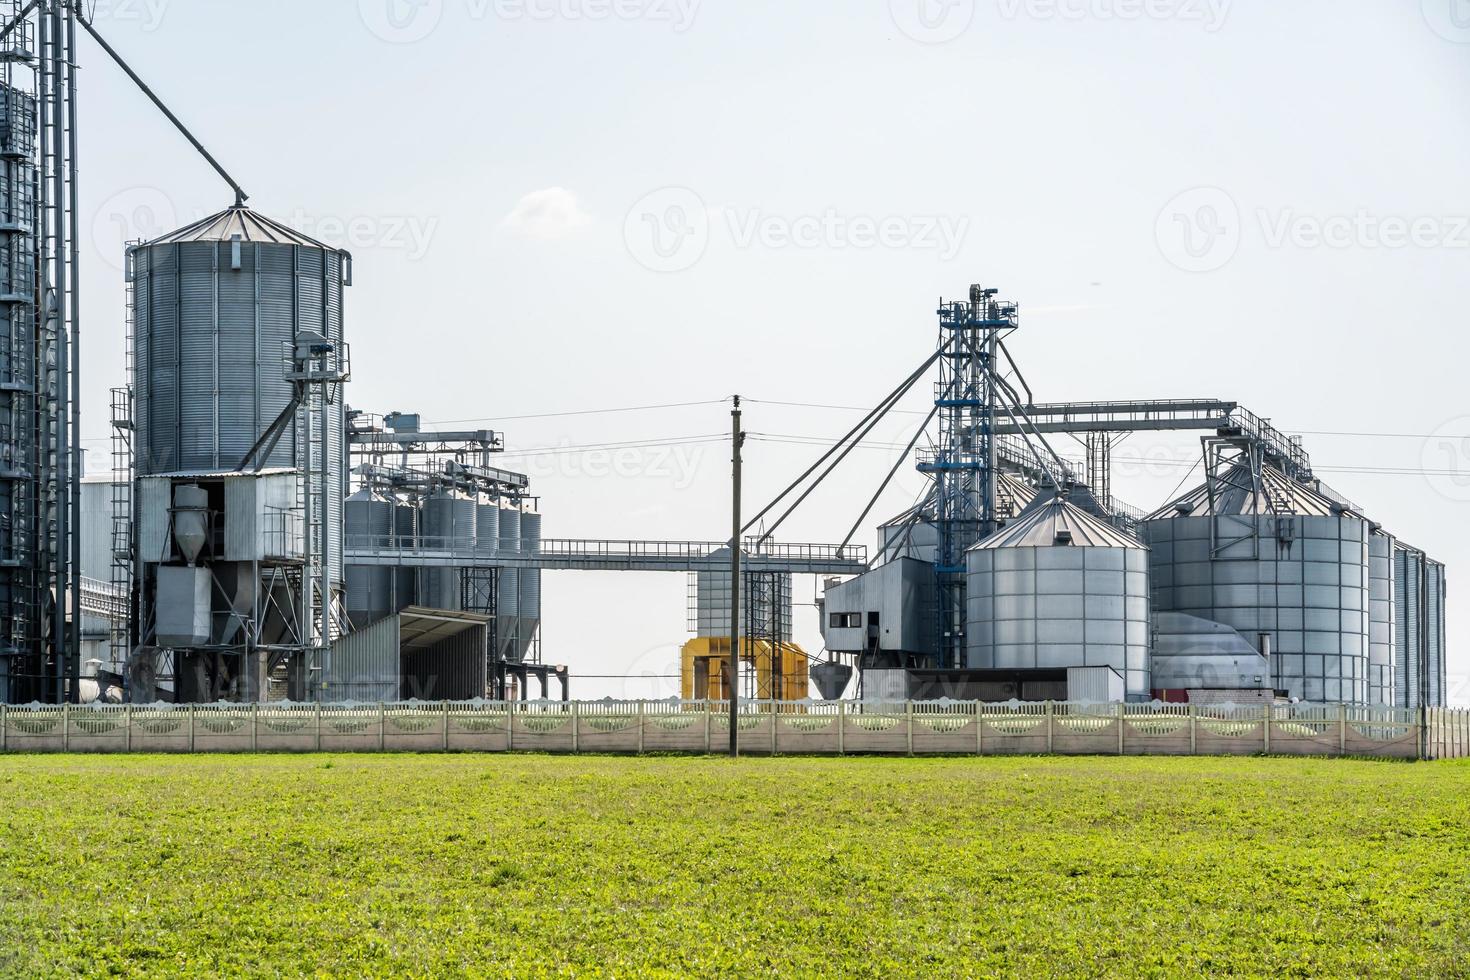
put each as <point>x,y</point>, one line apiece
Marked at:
<point>1380,618</point>
<point>1284,562</point>
<point>446,524</point>
<point>367,521</point>
<point>508,590</point>
<point>530,584</point>
<point>405,535</point>
<point>216,309</point>
<point>1060,588</point>
<point>487,524</point>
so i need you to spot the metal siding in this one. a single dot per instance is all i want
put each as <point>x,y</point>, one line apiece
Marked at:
<point>365,664</point>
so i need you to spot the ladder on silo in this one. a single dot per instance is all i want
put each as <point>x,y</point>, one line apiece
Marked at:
<point>122,506</point>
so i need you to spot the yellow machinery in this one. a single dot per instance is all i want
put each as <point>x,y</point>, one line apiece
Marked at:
<point>780,668</point>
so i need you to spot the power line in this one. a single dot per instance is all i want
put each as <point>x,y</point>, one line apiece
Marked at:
<point>584,411</point>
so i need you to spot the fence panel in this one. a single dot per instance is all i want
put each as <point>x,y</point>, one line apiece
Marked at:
<point>1013,728</point>
<point>542,726</point>
<point>810,726</point>
<point>479,726</point>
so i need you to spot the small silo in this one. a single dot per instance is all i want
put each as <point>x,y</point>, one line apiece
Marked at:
<point>530,584</point>
<point>1380,618</point>
<point>1060,588</point>
<point>446,524</point>
<point>508,589</point>
<point>368,523</point>
<point>405,535</point>
<point>1281,563</point>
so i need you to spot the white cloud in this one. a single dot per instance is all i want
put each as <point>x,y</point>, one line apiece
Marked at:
<point>546,215</point>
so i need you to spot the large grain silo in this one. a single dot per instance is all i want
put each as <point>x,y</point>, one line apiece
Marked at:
<point>449,521</point>
<point>239,427</point>
<point>1285,565</point>
<point>1059,588</point>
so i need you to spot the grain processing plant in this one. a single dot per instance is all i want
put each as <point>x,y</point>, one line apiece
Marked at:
<point>260,538</point>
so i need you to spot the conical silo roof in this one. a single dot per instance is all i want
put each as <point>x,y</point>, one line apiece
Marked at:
<point>1059,523</point>
<point>241,222</point>
<point>1278,494</point>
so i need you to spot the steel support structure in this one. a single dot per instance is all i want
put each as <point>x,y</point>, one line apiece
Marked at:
<point>40,454</point>
<point>963,462</point>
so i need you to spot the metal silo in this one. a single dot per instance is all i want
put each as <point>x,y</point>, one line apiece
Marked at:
<point>1284,565</point>
<point>530,584</point>
<point>217,308</point>
<point>368,522</point>
<point>405,535</point>
<point>1380,619</point>
<point>507,597</point>
<point>487,524</point>
<point>1060,588</point>
<point>447,523</point>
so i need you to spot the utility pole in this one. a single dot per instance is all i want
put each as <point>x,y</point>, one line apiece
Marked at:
<point>737,439</point>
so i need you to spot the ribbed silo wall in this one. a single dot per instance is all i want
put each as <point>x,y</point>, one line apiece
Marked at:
<point>212,339</point>
<point>1380,619</point>
<point>508,588</point>
<point>370,589</point>
<point>1057,607</point>
<point>529,612</point>
<point>449,522</point>
<point>1301,580</point>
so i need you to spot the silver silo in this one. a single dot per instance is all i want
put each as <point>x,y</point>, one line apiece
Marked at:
<point>447,523</point>
<point>487,524</point>
<point>405,535</point>
<point>507,597</point>
<point>217,306</point>
<point>368,522</point>
<point>1419,637</point>
<point>530,584</point>
<point>1284,565</point>
<point>1380,618</point>
<point>1060,588</point>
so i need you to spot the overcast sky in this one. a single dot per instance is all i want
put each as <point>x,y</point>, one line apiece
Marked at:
<point>564,206</point>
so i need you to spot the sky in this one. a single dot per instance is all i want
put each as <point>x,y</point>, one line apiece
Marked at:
<point>562,208</point>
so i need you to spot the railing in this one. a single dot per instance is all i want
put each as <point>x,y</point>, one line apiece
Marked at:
<point>764,727</point>
<point>601,549</point>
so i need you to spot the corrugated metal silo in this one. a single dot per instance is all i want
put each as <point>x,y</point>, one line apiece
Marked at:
<point>368,522</point>
<point>447,522</point>
<point>1380,619</point>
<point>530,584</point>
<point>1284,562</point>
<point>217,306</point>
<point>508,590</point>
<point>1060,588</point>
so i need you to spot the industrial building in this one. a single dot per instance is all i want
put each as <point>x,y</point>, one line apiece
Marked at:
<point>258,539</point>
<point>1260,583</point>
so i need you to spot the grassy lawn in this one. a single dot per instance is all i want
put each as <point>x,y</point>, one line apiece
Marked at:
<point>525,865</point>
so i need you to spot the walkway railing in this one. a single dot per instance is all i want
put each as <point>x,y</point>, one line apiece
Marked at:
<point>807,727</point>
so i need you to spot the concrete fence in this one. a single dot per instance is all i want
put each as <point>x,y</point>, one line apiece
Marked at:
<point>816,728</point>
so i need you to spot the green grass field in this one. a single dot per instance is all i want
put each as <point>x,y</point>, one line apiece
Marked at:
<point>526,866</point>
